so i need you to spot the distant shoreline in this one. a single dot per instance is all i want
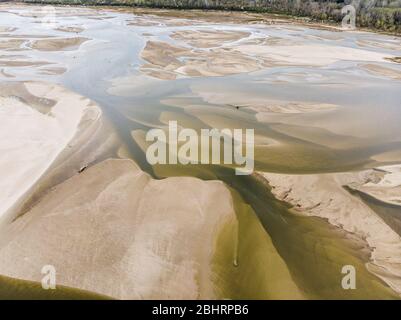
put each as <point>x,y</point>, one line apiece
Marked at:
<point>315,18</point>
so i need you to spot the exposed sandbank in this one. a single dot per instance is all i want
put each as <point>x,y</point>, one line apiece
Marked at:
<point>58,44</point>
<point>383,71</point>
<point>53,70</point>
<point>123,234</point>
<point>37,122</point>
<point>261,105</point>
<point>384,184</point>
<point>394,44</point>
<point>310,54</point>
<point>208,38</point>
<point>11,44</point>
<point>22,63</point>
<point>216,53</point>
<point>167,61</point>
<point>323,195</point>
<point>71,29</point>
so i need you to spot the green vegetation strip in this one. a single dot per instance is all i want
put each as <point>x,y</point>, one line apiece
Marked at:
<point>385,18</point>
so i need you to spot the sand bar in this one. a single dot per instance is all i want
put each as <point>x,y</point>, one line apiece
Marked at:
<point>323,195</point>
<point>37,122</point>
<point>123,234</point>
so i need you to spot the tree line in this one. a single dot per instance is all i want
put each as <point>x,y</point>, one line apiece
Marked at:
<point>378,14</point>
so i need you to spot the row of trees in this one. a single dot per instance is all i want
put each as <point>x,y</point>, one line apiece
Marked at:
<point>379,14</point>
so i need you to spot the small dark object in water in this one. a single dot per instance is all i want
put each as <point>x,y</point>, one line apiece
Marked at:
<point>82,169</point>
<point>236,107</point>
